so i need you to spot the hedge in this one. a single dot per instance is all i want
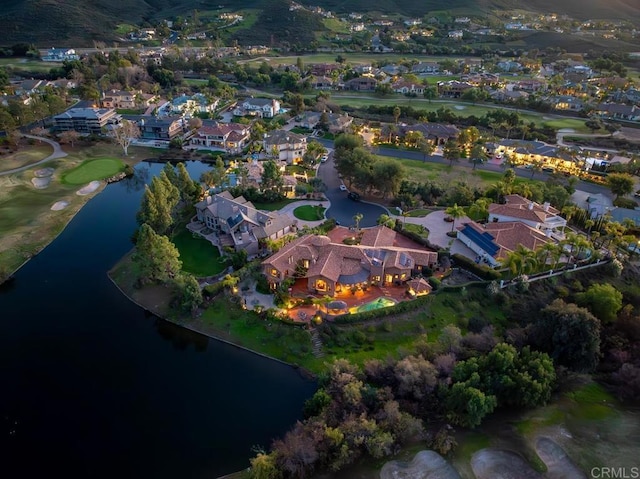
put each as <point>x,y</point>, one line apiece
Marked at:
<point>481,271</point>
<point>417,238</point>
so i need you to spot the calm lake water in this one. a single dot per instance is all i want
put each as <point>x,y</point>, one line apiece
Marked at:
<point>91,386</point>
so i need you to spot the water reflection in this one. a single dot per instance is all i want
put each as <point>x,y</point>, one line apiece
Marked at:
<point>181,338</point>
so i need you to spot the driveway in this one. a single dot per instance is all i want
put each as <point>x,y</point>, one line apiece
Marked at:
<point>288,209</point>
<point>438,227</point>
<point>342,208</point>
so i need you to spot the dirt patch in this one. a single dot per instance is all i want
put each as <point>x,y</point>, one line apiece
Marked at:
<point>59,205</point>
<point>90,188</point>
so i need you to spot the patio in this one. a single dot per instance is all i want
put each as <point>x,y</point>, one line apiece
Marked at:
<point>305,312</point>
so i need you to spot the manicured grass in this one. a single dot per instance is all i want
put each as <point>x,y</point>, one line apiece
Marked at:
<point>593,403</point>
<point>419,213</point>
<point>199,257</point>
<point>416,229</point>
<point>281,341</point>
<point>309,212</point>
<point>93,170</point>
<point>277,205</point>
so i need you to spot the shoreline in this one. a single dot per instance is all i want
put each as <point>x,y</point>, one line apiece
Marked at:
<point>302,371</point>
<point>86,198</point>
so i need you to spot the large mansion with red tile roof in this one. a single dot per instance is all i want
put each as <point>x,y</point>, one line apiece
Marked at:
<point>516,208</point>
<point>333,267</point>
<point>492,242</point>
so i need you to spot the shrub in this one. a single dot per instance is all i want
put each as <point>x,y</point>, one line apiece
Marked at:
<point>435,283</point>
<point>625,203</point>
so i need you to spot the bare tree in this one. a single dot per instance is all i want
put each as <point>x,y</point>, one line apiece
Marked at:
<point>70,137</point>
<point>124,134</point>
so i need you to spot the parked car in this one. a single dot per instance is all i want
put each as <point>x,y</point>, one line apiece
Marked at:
<point>343,187</point>
<point>353,196</point>
<point>324,158</point>
<point>548,169</point>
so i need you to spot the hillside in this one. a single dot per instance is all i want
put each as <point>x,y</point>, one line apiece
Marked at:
<point>78,22</point>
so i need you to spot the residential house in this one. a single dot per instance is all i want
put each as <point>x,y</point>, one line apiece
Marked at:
<point>121,99</point>
<point>193,105</point>
<point>492,242</point>
<point>453,88</point>
<point>437,133</point>
<point>361,84</point>
<point>408,88</point>
<point>617,111</point>
<point>239,224</point>
<point>339,123</point>
<point>526,152</point>
<point>323,69</point>
<point>508,96</point>
<point>290,147</point>
<point>509,66</point>
<point>331,268</point>
<point>86,120</point>
<point>262,107</point>
<point>530,86</point>
<point>164,129</point>
<point>394,70</point>
<point>319,82</point>
<point>456,34</point>
<point>229,137</point>
<point>425,68</point>
<point>567,103</point>
<point>412,22</point>
<point>29,87</point>
<point>541,217</point>
<point>60,55</point>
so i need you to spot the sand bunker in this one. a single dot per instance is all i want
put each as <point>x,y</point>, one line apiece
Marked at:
<point>41,183</point>
<point>43,172</point>
<point>494,464</point>
<point>460,107</point>
<point>424,465</point>
<point>59,205</point>
<point>559,465</point>
<point>90,188</point>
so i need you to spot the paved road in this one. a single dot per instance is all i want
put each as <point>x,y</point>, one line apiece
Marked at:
<point>57,153</point>
<point>342,208</point>
<point>416,155</point>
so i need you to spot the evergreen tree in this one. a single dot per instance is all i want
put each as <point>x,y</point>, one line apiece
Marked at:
<point>189,189</point>
<point>157,258</point>
<point>190,294</point>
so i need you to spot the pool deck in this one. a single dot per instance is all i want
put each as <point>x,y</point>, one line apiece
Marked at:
<point>304,313</point>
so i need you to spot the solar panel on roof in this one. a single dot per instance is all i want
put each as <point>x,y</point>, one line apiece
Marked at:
<point>484,240</point>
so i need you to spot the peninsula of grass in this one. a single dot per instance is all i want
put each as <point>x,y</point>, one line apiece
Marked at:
<point>91,170</point>
<point>309,212</point>
<point>199,257</point>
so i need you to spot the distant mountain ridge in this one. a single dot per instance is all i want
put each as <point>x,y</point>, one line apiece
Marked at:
<point>67,22</point>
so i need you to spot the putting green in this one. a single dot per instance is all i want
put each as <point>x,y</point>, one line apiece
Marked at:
<point>91,170</point>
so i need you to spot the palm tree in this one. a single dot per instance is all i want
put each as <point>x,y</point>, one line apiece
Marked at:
<point>455,212</point>
<point>357,218</point>
<point>396,114</point>
<point>521,261</point>
<point>548,251</point>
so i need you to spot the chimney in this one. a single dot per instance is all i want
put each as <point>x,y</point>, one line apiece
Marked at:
<point>546,205</point>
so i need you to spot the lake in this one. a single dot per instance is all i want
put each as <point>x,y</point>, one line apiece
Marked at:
<point>92,386</point>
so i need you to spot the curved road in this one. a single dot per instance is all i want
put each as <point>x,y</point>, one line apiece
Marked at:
<point>585,186</point>
<point>57,153</point>
<point>342,208</point>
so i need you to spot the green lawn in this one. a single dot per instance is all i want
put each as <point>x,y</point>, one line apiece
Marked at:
<point>91,170</point>
<point>277,205</point>
<point>419,213</point>
<point>416,229</point>
<point>309,212</point>
<point>273,338</point>
<point>199,257</point>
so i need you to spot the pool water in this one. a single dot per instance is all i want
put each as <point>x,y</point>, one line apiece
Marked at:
<point>372,305</point>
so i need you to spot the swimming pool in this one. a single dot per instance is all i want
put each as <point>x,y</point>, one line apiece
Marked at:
<point>379,303</point>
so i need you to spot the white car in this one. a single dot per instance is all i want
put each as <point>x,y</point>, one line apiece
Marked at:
<point>324,158</point>
<point>343,187</point>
